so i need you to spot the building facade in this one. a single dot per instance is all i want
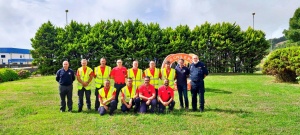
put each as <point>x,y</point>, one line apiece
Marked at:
<point>15,57</point>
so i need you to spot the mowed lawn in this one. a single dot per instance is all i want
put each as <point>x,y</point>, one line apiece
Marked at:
<point>235,104</point>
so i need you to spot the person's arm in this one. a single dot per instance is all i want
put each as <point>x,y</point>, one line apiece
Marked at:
<point>91,78</point>
<point>57,76</point>
<point>79,79</point>
<point>205,71</point>
<point>125,75</point>
<point>103,103</point>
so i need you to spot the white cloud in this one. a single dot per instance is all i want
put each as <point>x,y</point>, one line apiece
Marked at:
<point>20,19</point>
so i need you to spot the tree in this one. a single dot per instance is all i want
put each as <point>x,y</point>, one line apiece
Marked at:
<point>293,33</point>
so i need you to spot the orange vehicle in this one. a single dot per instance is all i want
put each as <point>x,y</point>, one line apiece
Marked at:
<point>173,58</point>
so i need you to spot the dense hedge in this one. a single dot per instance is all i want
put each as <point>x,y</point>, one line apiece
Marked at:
<point>284,64</point>
<point>7,74</point>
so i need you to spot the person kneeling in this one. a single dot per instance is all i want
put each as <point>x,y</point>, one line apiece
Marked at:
<point>130,97</point>
<point>165,97</point>
<point>107,99</point>
<point>147,94</point>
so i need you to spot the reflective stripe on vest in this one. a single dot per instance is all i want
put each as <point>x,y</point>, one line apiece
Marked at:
<point>84,77</point>
<point>109,94</point>
<point>170,77</point>
<point>99,81</point>
<point>127,94</point>
<point>154,80</point>
<point>136,80</point>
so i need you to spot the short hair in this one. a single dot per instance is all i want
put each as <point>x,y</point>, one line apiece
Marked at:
<point>181,59</point>
<point>147,77</point>
<point>129,78</point>
<point>168,62</point>
<point>83,60</point>
<point>107,80</point>
<point>166,79</point>
<point>102,58</point>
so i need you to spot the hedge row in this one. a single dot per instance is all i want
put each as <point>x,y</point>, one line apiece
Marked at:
<point>7,74</point>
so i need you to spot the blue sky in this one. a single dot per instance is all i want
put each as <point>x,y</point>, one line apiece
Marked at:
<point>20,19</point>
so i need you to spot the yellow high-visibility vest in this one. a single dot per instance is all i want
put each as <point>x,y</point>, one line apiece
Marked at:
<point>109,94</point>
<point>99,81</point>
<point>154,80</point>
<point>170,77</point>
<point>136,80</point>
<point>84,77</point>
<point>127,94</point>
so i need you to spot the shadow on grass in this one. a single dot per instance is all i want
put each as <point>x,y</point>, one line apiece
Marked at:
<point>230,111</point>
<point>217,91</point>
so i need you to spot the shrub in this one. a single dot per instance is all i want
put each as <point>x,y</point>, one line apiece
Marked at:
<point>7,74</point>
<point>284,64</point>
<point>23,74</point>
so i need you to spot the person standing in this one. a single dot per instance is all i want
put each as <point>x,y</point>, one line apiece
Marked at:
<point>147,95</point>
<point>65,77</point>
<point>154,74</point>
<point>101,74</point>
<point>168,73</point>
<point>165,97</point>
<point>84,77</point>
<point>182,73</point>
<point>119,73</point>
<point>136,74</point>
<point>130,97</point>
<point>198,72</point>
<point>107,99</point>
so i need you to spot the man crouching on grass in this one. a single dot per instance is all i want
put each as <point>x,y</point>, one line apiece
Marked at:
<point>165,97</point>
<point>107,99</point>
<point>130,97</point>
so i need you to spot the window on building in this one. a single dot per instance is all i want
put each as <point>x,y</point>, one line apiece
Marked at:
<point>2,56</point>
<point>20,56</point>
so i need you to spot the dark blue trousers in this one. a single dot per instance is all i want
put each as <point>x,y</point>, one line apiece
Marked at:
<point>87,97</point>
<point>118,89</point>
<point>144,107</point>
<point>182,90</point>
<point>97,102</point>
<point>162,108</point>
<point>197,88</point>
<point>63,92</point>
<point>112,107</point>
<point>136,103</point>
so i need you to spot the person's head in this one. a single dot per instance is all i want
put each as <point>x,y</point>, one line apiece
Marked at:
<point>152,64</point>
<point>195,59</point>
<point>129,81</point>
<point>102,61</point>
<point>83,62</point>
<point>166,82</point>
<point>181,62</point>
<point>135,64</point>
<point>168,64</point>
<point>65,64</point>
<point>119,63</point>
<point>107,83</point>
<point>147,80</point>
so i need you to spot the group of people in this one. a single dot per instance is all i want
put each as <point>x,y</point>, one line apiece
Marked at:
<point>150,90</point>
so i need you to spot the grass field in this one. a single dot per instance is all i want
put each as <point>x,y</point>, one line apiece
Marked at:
<point>235,104</point>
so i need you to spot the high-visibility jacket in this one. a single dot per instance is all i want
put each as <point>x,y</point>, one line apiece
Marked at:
<point>136,80</point>
<point>170,77</point>
<point>84,77</point>
<point>154,79</point>
<point>108,96</point>
<point>99,81</point>
<point>127,94</point>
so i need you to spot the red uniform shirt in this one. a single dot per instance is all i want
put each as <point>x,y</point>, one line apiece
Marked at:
<point>165,93</point>
<point>106,92</point>
<point>146,91</point>
<point>119,74</point>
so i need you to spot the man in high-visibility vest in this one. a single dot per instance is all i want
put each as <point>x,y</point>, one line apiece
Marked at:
<point>165,97</point>
<point>119,73</point>
<point>130,97</point>
<point>136,74</point>
<point>101,74</point>
<point>147,94</point>
<point>154,74</point>
<point>168,73</point>
<point>107,100</point>
<point>84,77</point>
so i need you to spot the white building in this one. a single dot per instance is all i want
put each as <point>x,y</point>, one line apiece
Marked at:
<point>15,56</point>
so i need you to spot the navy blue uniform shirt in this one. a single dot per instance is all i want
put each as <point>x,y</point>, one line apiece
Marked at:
<point>197,71</point>
<point>65,78</point>
<point>181,75</point>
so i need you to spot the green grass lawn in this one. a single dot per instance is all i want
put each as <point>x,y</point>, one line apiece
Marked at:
<point>235,104</point>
